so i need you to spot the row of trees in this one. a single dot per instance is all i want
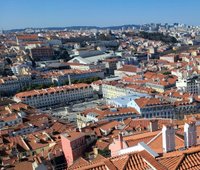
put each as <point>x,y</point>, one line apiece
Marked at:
<point>37,86</point>
<point>158,37</point>
<point>85,80</point>
<point>62,53</point>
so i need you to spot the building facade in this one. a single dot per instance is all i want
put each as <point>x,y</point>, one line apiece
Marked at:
<point>153,107</point>
<point>56,95</point>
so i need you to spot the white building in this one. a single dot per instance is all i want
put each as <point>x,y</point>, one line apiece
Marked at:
<point>168,138</point>
<point>105,113</point>
<point>124,101</point>
<point>153,107</point>
<point>9,84</point>
<point>91,58</point>
<point>191,85</point>
<point>10,120</point>
<point>129,70</point>
<point>55,95</point>
<point>190,134</point>
<point>20,69</point>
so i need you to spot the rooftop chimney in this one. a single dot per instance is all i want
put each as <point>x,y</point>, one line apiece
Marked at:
<point>168,138</point>
<point>120,138</point>
<point>190,136</point>
<point>96,152</point>
<point>153,125</point>
<point>69,79</point>
<point>117,145</point>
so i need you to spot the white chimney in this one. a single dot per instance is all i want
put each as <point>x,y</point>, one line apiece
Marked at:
<point>168,138</point>
<point>190,136</point>
<point>191,99</point>
<point>69,79</point>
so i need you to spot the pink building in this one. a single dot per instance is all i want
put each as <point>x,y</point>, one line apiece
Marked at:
<point>117,145</point>
<point>73,145</point>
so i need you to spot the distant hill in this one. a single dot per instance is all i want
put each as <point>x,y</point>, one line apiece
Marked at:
<point>77,28</point>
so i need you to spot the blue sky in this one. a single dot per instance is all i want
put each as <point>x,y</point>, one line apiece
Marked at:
<point>48,13</point>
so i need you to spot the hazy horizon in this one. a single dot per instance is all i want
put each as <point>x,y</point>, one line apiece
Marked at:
<point>60,13</point>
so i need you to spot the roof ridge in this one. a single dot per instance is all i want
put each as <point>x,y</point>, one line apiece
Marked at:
<point>126,161</point>
<point>176,135</point>
<point>154,137</point>
<point>110,165</point>
<point>99,157</point>
<point>151,161</point>
<point>179,162</point>
<point>78,164</point>
<point>91,164</point>
<point>128,124</point>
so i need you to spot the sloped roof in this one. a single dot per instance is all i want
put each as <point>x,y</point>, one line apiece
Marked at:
<point>143,102</point>
<point>185,160</point>
<point>132,161</point>
<point>78,163</point>
<point>177,160</point>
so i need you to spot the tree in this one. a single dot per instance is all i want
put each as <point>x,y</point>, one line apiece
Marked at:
<point>32,61</point>
<point>166,73</point>
<point>64,55</point>
<point>9,61</point>
<point>158,37</point>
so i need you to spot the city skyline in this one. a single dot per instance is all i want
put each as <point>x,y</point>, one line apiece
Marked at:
<point>39,14</point>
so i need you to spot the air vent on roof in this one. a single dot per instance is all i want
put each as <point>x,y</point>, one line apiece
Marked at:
<point>37,140</point>
<point>182,149</point>
<point>66,135</point>
<point>113,109</point>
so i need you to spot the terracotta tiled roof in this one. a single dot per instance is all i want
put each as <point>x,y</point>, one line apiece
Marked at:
<point>179,143</point>
<point>72,135</point>
<point>24,165</point>
<point>140,88</point>
<point>98,82</point>
<point>78,163</point>
<point>51,90</point>
<point>121,162</point>
<point>59,127</point>
<point>110,165</point>
<point>18,141</point>
<point>184,103</point>
<point>151,160</point>
<point>136,141</point>
<point>98,158</point>
<point>144,102</point>
<point>8,161</point>
<point>171,162</point>
<point>18,106</point>
<point>175,94</point>
<point>106,110</point>
<point>140,137</point>
<point>27,37</point>
<point>57,73</point>
<point>109,125</point>
<point>182,160</point>
<point>102,145</point>
<point>37,141</point>
<point>132,161</point>
<point>144,123</point>
<point>158,78</point>
<point>152,139</point>
<point>110,60</point>
<point>129,68</point>
<point>177,160</point>
<point>9,118</point>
